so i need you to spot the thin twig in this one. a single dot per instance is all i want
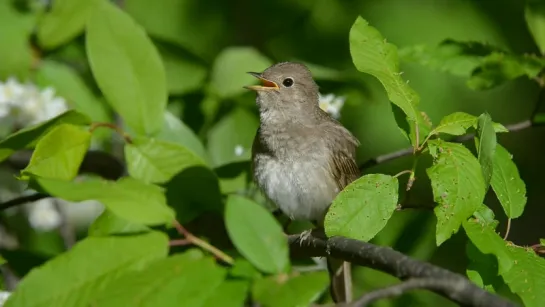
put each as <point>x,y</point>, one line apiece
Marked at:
<point>407,171</point>
<point>111,126</point>
<point>203,244</point>
<point>22,200</point>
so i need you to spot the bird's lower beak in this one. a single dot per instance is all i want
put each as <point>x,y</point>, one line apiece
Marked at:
<point>266,85</point>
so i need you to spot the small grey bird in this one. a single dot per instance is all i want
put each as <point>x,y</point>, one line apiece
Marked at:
<point>302,157</point>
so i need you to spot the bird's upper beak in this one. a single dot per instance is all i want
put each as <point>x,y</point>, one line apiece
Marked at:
<point>266,85</point>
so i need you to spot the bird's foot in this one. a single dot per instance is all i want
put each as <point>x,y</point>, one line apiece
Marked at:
<point>304,236</point>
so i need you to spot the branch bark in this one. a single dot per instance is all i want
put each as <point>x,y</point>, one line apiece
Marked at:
<point>453,286</point>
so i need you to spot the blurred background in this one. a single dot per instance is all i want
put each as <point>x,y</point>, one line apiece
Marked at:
<point>207,46</point>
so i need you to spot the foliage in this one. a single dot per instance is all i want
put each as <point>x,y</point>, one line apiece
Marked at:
<point>137,62</point>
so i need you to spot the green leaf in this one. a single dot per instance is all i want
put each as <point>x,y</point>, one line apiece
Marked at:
<point>507,184</point>
<point>29,136</point>
<point>371,54</point>
<point>486,147</point>
<point>229,72</point>
<point>228,294</point>
<point>485,216</point>
<point>256,234</point>
<point>58,155</point>
<point>483,269</point>
<point>457,183</point>
<point>107,223</point>
<point>187,278</point>
<point>77,276</point>
<point>128,198</point>
<point>284,291</point>
<point>127,68</point>
<point>363,208</point>
<point>175,131</point>
<point>70,85</point>
<point>489,242</point>
<point>534,14</point>
<point>183,74</point>
<point>526,276</point>
<point>244,269</point>
<point>156,161</point>
<point>63,22</point>
<point>234,131</point>
<point>456,123</point>
<point>2,260</point>
<point>542,242</point>
<point>15,31</point>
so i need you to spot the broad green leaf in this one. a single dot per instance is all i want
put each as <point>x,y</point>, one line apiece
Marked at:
<point>127,68</point>
<point>15,31</point>
<point>542,242</point>
<point>70,85</point>
<point>371,54</point>
<point>75,278</point>
<point>29,136</point>
<point>489,242</point>
<point>229,294</point>
<point>229,72</point>
<point>58,155</point>
<point>187,278</point>
<point>507,184</point>
<point>284,291</point>
<point>107,223</point>
<point>458,186</point>
<point>256,234</point>
<point>526,276</point>
<point>198,28</point>
<point>486,147</point>
<point>64,21</point>
<point>175,131</point>
<point>230,140</point>
<point>363,208</point>
<point>156,161</point>
<point>127,198</point>
<point>485,216</point>
<point>456,123</point>
<point>534,14</point>
<point>183,74</point>
<point>244,269</point>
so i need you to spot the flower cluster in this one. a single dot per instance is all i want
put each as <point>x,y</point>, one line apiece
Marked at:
<point>332,104</point>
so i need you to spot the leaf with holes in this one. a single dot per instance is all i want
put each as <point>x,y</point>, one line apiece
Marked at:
<point>363,208</point>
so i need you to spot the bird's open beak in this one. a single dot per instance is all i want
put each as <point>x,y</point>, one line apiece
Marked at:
<point>266,85</point>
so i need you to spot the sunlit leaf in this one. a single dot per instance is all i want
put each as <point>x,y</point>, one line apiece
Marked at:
<point>184,75</point>
<point>256,234</point>
<point>15,31</point>
<point>456,123</point>
<point>486,147</point>
<point>282,290</point>
<point>526,276</point>
<point>363,208</point>
<point>458,186</point>
<point>107,223</point>
<point>229,294</point>
<point>485,216</point>
<point>76,277</point>
<point>507,184</point>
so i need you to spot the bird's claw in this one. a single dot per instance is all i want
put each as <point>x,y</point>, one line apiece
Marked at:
<point>304,235</point>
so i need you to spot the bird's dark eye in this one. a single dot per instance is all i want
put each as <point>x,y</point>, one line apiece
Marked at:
<point>287,82</point>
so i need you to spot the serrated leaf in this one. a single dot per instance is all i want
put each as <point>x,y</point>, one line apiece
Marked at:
<point>28,137</point>
<point>456,123</point>
<point>59,153</point>
<point>128,198</point>
<point>526,276</point>
<point>157,161</point>
<point>229,72</point>
<point>534,13</point>
<point>507,184</point>
<point>187,278</point>
<point>373,55</point>
<point>363,208</point>
<point>15,30</point>
<point>107,223</point>
<point>256,234</point>
<point>127,68</point>
<point>70,85</point>
<point>64,21</point>
<point>457,183</point>
<point>485,216</point>
<point>285,291</point>
<point>486,147</point>
<point>489,242</point>
<point>228,294</point>
<point>69,280</point>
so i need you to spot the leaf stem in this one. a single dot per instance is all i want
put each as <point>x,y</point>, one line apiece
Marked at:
<point>191,239</point>
<point>407,171</point>
<point>117,129</point>
<point>508,229</point>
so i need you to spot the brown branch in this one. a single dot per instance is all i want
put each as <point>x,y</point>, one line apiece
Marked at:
<point>456,287</point>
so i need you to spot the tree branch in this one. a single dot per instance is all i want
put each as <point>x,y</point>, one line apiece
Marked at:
<point>454,286</point>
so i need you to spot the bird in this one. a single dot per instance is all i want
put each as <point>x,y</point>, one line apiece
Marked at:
<point>301,156</point>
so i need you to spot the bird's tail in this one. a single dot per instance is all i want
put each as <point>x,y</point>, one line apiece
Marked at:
<point>340,277</point>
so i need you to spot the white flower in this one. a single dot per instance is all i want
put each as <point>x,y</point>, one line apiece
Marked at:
<point>43,215</point>
<point>27,105</point>
<point>332,104</point>
<point>4,297</point>
<point>239,150</point>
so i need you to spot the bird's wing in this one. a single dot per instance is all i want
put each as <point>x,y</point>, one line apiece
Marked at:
<point>343,168</point>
